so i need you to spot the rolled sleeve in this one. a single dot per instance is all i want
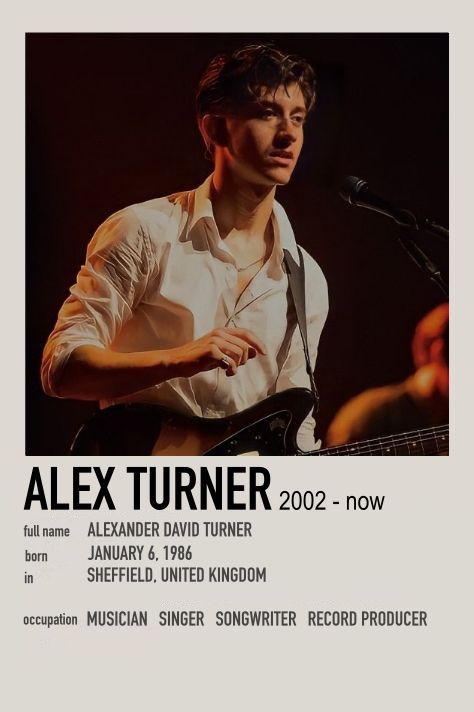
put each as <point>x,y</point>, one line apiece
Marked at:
<point>108,287</point>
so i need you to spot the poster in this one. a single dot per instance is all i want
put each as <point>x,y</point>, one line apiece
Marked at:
<point>346,590</point>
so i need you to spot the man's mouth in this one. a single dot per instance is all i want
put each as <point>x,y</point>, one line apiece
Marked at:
<point>281,157</point>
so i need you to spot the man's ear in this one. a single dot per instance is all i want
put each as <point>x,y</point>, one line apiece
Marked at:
<point>213,130</point>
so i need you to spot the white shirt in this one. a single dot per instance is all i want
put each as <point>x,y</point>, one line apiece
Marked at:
<point>158,275</point>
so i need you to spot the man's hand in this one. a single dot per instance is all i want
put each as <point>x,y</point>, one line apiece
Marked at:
<point>92,373</point>
<point>220,348</point>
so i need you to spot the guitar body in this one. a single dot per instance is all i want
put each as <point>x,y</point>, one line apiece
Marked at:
<point>267,428</point>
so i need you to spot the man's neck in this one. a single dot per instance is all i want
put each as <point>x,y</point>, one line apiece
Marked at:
<point>240,207</point>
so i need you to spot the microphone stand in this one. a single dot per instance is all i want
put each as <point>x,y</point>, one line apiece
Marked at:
<point>355,191</point>
<point>409,224</point>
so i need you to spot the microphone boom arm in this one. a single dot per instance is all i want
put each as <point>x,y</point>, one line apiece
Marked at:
<point>421,259</point>
<point>355,191</point>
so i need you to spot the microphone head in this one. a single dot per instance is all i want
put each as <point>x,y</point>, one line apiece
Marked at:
<point>350,188</point>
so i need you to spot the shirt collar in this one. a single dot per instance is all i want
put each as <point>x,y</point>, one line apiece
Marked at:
<point>284,235</point>
<point>202,207</point>
<point>283,232</point>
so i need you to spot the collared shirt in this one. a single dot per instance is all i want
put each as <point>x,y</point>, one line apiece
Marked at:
<point>158,275</point>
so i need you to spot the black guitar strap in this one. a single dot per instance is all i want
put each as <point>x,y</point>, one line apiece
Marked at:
<point>296,289</point>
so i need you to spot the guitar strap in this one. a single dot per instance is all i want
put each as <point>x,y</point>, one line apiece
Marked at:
<point>296,289</point>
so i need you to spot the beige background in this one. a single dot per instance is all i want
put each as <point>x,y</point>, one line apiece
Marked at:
<point>415,554</point>
<point>409,556</point>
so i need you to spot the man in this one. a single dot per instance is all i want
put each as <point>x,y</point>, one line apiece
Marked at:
<point>420,401</point>
<point>183,300</point>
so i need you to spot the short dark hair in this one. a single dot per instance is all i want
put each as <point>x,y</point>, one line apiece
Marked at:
<point>235,79</point>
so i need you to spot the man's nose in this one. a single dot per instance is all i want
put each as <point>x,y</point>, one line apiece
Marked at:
<point>286,131</point>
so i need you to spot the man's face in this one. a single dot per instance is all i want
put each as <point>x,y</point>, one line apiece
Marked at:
<point>264,140</point>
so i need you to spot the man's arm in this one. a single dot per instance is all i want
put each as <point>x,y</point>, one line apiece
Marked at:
<point>92,373</point>
<point>78,359</point>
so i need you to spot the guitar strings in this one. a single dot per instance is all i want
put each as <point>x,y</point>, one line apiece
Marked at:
<point>387,444</point>
<point>426,434</point>
<point>388,441</point>
<point>396,439</point>
<point>379,449</point>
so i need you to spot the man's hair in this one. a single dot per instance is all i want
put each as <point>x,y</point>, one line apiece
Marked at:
<point>233,80</point>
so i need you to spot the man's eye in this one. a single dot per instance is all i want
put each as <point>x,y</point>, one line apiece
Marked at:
<point>298,119</point>
<point>267,114</point>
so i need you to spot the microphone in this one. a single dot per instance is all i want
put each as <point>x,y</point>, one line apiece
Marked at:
<point>355,191</point>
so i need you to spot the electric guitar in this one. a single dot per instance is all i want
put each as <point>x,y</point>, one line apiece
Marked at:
<point>267,428</point>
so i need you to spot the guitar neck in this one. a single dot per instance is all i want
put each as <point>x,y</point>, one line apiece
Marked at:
<point>429,441</point>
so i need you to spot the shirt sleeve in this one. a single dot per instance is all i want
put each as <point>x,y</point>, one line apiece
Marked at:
<point>108,287</point>
<point>293,372</point>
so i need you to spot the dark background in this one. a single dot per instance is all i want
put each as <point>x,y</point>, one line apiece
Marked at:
<point>110,122</point>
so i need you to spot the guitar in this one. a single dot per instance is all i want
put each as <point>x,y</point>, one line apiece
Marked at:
<point>267,428</point>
